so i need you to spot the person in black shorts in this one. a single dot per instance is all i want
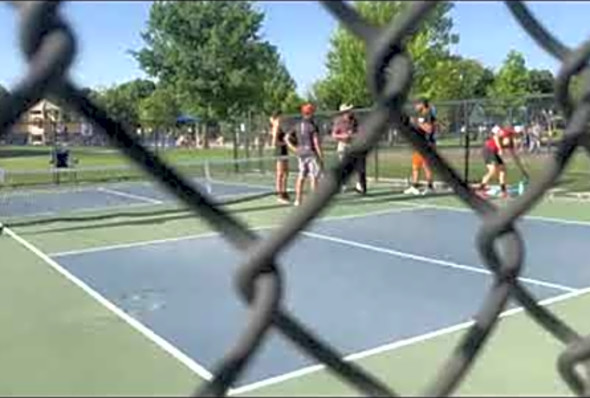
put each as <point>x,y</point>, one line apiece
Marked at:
<point>493,151</point>
<point>279,143</point>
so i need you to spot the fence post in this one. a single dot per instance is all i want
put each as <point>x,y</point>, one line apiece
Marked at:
<point>234,130</point>
<point>262,136</point>
<point>247,133</point>
<point>467,143</point>
<point>376,160</point>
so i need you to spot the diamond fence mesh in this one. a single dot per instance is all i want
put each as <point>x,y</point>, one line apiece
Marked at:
<point>50,46</point>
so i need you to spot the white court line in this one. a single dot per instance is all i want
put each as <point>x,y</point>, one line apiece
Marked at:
<point>214,234</point>
<point>83,210</point>
<point>130,196</point>
<point>137,244</point>
<point>397,345</point>
<point>526,217</point>
<point>17,193</point>
<point>431,260</point>
<point>135,324</point>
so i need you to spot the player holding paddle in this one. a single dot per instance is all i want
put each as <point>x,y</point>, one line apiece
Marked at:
<point>493,151</point>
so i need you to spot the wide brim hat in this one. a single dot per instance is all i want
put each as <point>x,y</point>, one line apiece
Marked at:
<point>345,108</point>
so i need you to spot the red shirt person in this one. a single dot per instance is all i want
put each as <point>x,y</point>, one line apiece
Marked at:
<point>493,151</point>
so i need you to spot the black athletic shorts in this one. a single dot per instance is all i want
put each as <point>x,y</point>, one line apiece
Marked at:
<point>491,157</point>
<point>281,150</point>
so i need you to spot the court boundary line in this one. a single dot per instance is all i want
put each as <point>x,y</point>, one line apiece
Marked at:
<point>206,235</point>
<point>458,209</point>
<point>85,210</point>
<point>136,325</point>
<point>130,195</point>
<point>396,345</point>
<point>435,261</point>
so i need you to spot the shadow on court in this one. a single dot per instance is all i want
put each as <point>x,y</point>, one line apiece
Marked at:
<point>149,216</point>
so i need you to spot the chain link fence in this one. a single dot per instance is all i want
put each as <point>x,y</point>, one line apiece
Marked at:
<point>49,45</point>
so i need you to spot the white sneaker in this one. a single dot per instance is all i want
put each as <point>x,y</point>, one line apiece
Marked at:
<point>426,191</point>
<point>412,191</point>
<point>296,203</point>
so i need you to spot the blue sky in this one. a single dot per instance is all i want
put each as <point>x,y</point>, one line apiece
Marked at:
<point>301,30</point>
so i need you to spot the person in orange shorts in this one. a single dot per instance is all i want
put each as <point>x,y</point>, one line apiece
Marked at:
<point>426,125</point>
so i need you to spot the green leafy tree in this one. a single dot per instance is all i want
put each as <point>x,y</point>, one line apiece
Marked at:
<point>279,88</point>
<point>346,80</point>
<point>160,109</point>
<point>326,95</point>
<point>512,80</point>
<point>541,81</point>
<point>460,78</point>
<point>211,54</point>
<point>484,83</point>
<point>122,101</point>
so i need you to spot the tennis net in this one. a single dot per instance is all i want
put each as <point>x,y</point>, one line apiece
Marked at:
<point>54,192</point>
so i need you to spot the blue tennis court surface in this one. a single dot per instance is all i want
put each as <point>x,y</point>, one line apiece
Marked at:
<point>124,194</point>
<point>390,277</point>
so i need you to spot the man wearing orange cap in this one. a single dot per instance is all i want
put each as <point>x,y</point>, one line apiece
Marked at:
<point>307,147</point>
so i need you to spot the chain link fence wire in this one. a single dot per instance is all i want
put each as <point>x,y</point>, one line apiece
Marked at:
<point>50,46</point>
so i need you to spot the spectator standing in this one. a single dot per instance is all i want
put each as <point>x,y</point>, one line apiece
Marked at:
<point>346,127</point>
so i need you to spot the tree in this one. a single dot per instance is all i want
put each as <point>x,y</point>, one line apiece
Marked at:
<point>279,88</point>
<point>325,94</point>
<point>541,81</point>
<point>512,80</point>
<point>211,54</point>
<point>122,102</point>
<point>346,80</point>
<point>484,83</point>
<point>160,109</point>
<point>460,78</point>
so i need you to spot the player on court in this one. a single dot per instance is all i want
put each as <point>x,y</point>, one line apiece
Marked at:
<point>493,151</point>
<point>426,124</point>
<point>279,143</point>
<point>307,147</point>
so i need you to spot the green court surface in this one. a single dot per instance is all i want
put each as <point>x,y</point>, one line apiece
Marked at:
<point>60,339</point>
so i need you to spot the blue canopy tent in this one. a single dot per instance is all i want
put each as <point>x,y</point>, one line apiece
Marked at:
<point>186,119</point>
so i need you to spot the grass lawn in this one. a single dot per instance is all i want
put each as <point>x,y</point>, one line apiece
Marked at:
<point>37,158</point>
